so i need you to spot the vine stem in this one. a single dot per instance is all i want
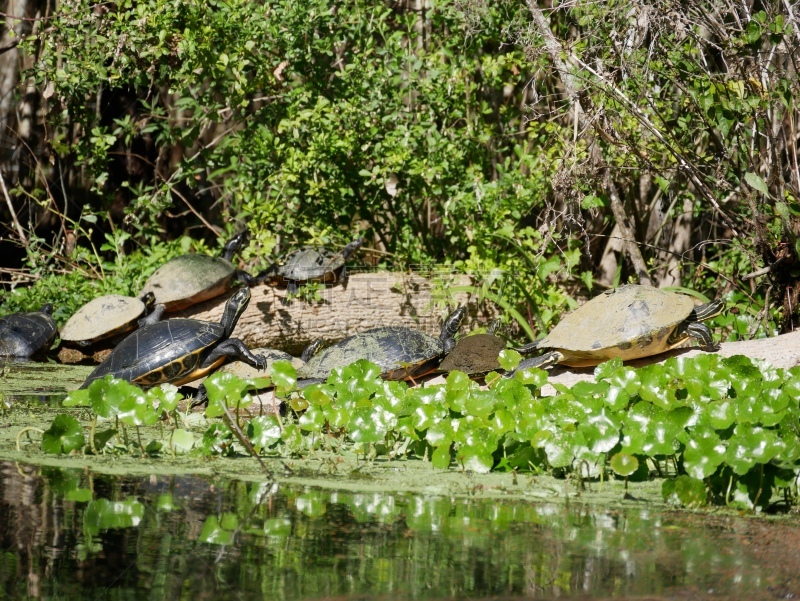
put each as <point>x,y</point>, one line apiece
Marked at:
<point>21,432</point>
<point>242,438</point>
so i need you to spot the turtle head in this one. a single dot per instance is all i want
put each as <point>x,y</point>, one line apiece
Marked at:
<point>312,349</point>
<point>234,309</point>
<point>47,308</point>
<point>149,300</point>
<point>351,248</point>
<point>450,328</point>
<point>234,244</point>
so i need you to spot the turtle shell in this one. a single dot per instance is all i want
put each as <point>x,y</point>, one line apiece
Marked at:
<point>102,318</point>
<point>189,279</point>
<point>629,322</point>
<point>311,264</point>
<point>244,370</point>
<point>474,354</point>
<point>399,352</point>
<point>26,334</point>
<point>168,351</point>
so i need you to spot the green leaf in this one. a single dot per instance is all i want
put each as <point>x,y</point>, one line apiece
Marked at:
<point>755,180</point>
<point>370,424</point>
<point>228,389</point>
<point>166,397</point>
<point>182,441</point>
<point>703,454</point>
<point>509,359</point>
<point>264,431</point>
<point>64,435</point>
<point>750,446</point>
<point>283,374</point>
<point>108,394</point>
<point>624,464</point>
<point>475,460</point>
<point>101,439</point>
<point>440,458</point>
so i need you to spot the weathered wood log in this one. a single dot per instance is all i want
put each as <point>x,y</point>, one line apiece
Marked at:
<point>368,300</point>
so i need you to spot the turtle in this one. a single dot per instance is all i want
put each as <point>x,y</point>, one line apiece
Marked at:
<point>310,265</point>
<point>179,350</point>
<point>110,315</point>
<point>476,353</point>
<point>24,335</point>
<point>190,279</point>
<point>629,322</point>
<point>401,353</point>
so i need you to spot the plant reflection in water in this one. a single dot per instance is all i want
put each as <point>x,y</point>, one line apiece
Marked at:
<point>77,535</point>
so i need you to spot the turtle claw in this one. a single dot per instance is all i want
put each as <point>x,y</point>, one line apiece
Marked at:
<point>261,362</point>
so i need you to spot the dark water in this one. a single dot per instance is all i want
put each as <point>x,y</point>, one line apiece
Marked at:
<point>74,535</point>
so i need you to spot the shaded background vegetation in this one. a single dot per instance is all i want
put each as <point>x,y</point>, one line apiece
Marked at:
<point>550,149</point>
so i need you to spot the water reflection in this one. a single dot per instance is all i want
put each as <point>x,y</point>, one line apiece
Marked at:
<point>77,535</point>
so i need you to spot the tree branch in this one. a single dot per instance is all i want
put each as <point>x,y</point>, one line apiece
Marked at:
<point>570,85</point>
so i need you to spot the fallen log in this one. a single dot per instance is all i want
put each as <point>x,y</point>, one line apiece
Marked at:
<point>367,300</point>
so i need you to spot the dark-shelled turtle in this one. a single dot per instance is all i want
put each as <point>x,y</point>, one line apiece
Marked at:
<point>400,352</point>
<point>628,322</point>
<point>110,315</point>
<point>190,279</point>
<point>179,350</point>
<point>476,353</point>
<point>24,335</point>
<point>310,265</point>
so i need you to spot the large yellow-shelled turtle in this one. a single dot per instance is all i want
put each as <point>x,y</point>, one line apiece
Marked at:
<point>190,279</point>
<point>628,322</point>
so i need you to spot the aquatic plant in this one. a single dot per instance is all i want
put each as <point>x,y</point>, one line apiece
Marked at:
<point>718,430</point>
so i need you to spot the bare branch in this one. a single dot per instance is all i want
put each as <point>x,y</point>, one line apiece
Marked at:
<point>569,81</point>
<point>17,226</point>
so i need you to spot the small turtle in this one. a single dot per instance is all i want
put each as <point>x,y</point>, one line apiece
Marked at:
<point>629,322</point>
<point>310,265</point>
<point>190,279</point>
<point>179,350</point>
<point>110,315</point>
<point>401,353</point>
<point>476,353</point>
<point>27,334</point>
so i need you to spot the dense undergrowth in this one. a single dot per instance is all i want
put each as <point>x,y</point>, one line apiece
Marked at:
<point>717,430</point>
<point>445,136</point>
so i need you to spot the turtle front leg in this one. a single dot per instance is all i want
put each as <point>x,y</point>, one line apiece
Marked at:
<point>542,362</point>
<point>234,348</point>
<point>201,398</point>
<point>268,275</point>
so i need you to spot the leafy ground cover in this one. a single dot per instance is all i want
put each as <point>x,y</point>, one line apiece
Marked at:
<point>709,429</point>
